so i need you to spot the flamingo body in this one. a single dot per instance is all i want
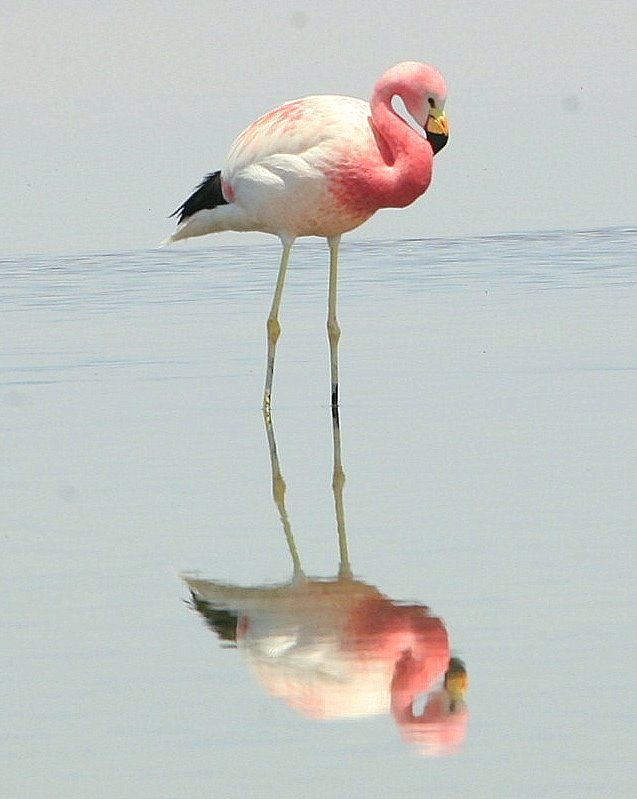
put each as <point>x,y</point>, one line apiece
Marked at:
<point>321,166</point>
<point>333,648</point>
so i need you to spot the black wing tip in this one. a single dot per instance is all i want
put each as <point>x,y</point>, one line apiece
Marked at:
<point>208,194</point>
<point>223,621</point>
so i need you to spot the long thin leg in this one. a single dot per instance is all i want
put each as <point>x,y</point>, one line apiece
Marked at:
<point>278,494</point>
<point>273,326</point>
<point>333,329</point>
<point>338,482</point>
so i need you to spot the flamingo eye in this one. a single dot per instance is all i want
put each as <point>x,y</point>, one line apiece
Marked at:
<point>432,102</point>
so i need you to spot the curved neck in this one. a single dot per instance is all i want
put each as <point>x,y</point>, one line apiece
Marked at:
<point>408,156</point>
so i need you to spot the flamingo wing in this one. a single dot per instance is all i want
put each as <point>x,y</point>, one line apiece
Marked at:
<point>310,128</point>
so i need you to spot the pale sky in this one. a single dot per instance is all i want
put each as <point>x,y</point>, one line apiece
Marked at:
<point>113,112</point>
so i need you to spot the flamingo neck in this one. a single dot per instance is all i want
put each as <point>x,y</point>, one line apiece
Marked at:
<point>408,156</point>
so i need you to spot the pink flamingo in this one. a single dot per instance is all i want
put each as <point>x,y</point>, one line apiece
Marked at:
<point>321,166</point>
<point>340,649</point>
<point>335,648</point>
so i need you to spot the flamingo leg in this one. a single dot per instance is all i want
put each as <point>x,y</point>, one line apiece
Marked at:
<point>273,327</point>
<point>278,494</point>
<point>333,329</point>
<point>338,482</point>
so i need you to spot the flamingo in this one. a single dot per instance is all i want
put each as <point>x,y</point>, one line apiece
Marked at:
<point>321,166</point>
<point>334,648</point>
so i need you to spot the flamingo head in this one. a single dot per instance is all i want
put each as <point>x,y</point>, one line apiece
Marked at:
<point>424,92</point>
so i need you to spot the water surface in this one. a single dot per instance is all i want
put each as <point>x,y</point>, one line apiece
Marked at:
<point>488,428</point>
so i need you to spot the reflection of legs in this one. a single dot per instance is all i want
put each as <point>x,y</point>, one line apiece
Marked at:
<point>333,330</point>
<point>338,481</point>
<point>273,326</point>
<point>278,494</point>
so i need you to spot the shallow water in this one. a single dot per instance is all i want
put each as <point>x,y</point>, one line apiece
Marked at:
<point>488,428</point>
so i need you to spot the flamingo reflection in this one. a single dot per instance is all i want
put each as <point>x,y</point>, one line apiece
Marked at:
<point>338,648</point>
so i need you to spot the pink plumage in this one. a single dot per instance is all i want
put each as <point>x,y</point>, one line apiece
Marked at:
<point>321,166</point>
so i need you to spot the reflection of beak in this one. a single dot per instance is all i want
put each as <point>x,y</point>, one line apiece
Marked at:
<point>437,129</point>
<point>456,683</point>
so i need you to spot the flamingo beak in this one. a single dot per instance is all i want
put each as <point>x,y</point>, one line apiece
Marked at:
<point>437,129</point>
<point>456,683</point>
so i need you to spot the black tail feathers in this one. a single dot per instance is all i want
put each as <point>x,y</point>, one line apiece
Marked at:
<point>208,194</point>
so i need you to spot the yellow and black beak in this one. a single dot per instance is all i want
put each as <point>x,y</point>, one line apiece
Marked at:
<point>437,129</point>
<point>456,682</point>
